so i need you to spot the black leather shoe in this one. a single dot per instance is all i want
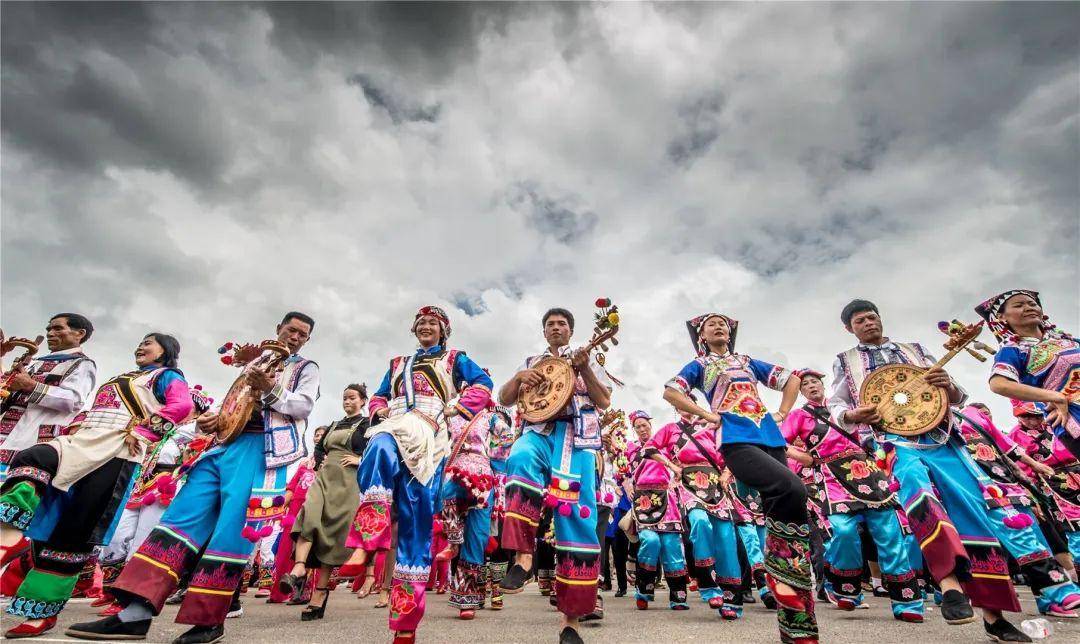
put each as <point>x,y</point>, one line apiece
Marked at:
<point>202,635</point>
<point>1003,631</point>
<point>515,580</point>
<point>570,636</point>
<point>620,592</point>
<point>956,608</point>
<point>110,628</point>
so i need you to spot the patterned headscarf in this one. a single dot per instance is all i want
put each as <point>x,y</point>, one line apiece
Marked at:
<point>694,327</point>
<point>990,310</point>
<point>438,314</point>
<point>802,373</point>
<point>640,413</point>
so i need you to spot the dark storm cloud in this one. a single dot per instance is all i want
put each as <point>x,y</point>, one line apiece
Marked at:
<point>399,109</point>
<point>561,219</point>
<point>700,124</point>
<point>206,166</point>
<point>83,87</point>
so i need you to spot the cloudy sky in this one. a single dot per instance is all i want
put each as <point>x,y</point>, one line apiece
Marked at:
<point>200,169</point>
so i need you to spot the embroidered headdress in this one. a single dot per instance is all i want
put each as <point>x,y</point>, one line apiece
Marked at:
<point>640,413</point>
<point>990,310</point>
<point>438,314</point>
<point>802,373</point>
<point>694,327</point>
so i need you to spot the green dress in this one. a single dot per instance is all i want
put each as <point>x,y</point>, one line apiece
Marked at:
<point>332,501</point>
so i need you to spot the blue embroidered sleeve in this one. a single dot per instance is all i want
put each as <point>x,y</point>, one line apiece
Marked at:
<point>689,378</point>
<point>467,371</point>
<point>384,388</point>
<point>770,375</point>
<point>1009,362</point>
<point>161,385</point>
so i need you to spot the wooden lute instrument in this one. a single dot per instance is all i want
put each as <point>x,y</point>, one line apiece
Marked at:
<point>908,405</point>
<point>30,348</point>
<point>236,408</point>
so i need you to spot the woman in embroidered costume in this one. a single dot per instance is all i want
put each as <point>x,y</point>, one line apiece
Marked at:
<point>856,489</point>
<point>467,498</point>
<point>402,464</point>
<point>323,523</point>
<point>66,493</point>
<point>659,518</point>
<point>1037,362</point>
<point>703,499</point>
<point>754,450</point>
<point>1039,441</point>
<point>162,473</point>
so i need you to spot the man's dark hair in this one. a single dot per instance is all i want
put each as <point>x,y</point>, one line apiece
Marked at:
<point>297,315</point>
<point>78,322</point>
<point>171,347</point>
<point>855,307</point>
<point>558,311</point>
<point>360,389</point>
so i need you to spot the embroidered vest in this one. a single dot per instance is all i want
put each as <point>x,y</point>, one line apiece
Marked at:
<point>284,435</point>
<point>123,401</point>
<point>49,372</point>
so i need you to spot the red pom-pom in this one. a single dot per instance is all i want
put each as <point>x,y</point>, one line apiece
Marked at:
<point>249,533</point>
<point>564,509</point>
<point>894,486</point>
<point>880,464</point>
<point>254,503</point>
<point>602,302</point>
<point>149,499</point>
<point>584,512</point>
<point>226,360</point>
<point>1018,521</point>
<point>492,545</point>
<point>266,530</point>
<point>229,345</point>
<point>550,500</point>
<point>288,521</point>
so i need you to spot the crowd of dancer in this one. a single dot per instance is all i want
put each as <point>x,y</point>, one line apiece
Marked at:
<point>127,491</point>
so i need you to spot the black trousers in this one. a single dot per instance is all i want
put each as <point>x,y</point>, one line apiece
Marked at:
<point>620,550</point>
<point>783,495</point>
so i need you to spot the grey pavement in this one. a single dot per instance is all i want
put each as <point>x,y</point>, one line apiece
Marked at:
<point>528,619</point>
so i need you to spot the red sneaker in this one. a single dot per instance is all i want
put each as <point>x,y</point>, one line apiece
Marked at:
<point>404,637</point>
<point>914,618</point>
<point>25,630</point>
<point>716,602</point>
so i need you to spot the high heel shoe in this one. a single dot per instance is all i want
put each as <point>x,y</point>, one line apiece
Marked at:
<point>366,587</point>
<point>290,584</point>
<point>316,612</point>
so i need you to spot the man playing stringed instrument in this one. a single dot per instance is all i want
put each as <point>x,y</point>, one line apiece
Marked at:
<point>949,502</point>
<point>558,457</point>
<point>47,393</point>
<point>231,495</point>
